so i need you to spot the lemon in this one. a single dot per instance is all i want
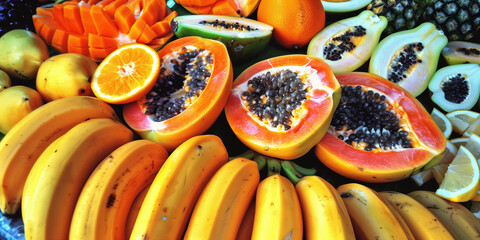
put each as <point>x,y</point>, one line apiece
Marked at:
<point>474,128</point>
<point>473,145</point>
<point>422,177</point>
<point>442,122</point>
<point>461,181</point>
<point>460,141</point>
<point>461,119</point>
<point>438,172</point>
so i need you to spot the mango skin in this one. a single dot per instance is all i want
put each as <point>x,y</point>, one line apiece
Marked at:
<point>17,102</point>
<point>22,53</point>
<point>5,81</point>
<point>65,75</point>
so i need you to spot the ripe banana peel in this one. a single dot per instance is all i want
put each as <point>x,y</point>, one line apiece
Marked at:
<point>105,201</point>
<point>62,173</point>
<point>134,209</point>
<point>23,144</point>
<point>171,198</point>
<point>278,214</point>
<point>246,227</point>
<point>221,206</point>
<point>324,212</point>
<point>459,220</point>
<point>371,217</point>
<point>423,223</point>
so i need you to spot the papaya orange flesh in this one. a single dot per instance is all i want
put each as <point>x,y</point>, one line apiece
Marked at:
<point>236,8</point>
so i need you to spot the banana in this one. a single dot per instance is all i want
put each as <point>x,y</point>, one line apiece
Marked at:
<point>246,227</point>
<point>62,174</point>
<point>225,199</point>
<point>134,209</point>
<point>371,217</point>
<point>23,144</point>
<point>103,205</point>
<point>423,223</point>
<point>458,219</point>
<point>324,213</point>
<point>171,198</point>
<point>277,210</point>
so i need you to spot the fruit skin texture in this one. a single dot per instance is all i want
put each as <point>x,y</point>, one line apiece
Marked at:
<point>384,166</point>
<point>199,116</point>
<point>224,199</point>
<point>104,203</point>
<point>423,223</point>
<point>5,81</point>
<point>65,75</point>
<point>295,22</point>
<point>457,52</point>
<point>471,73</point>
<point>344,6</point>
<point>64,173</point>
<point>371,217</point>
<point>22,53</point>
<point>298,140</point>
<point>171,198</point>
<point>458,219</point>
<point>324,213</point>
<point>419,74</point>
<point>363,49</point>
<point>17,102</point>
<point>23,144</point>
<point>278,214</point>
<point>401,14</point>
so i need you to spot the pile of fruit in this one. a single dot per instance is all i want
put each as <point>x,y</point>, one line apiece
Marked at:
<point>240,119</point>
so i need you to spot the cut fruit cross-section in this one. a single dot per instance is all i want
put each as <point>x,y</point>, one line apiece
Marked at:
<point>442,122</point>
<point>461,119</point>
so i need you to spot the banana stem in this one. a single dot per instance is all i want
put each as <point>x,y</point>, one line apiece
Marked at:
<point>274,166</point>
<point>249,154</point>
<point>260,160</point>
<point>291,172</point>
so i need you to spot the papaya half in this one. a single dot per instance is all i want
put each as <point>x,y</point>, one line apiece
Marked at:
<point>192,88</point>
<point>379,132</point>
<point>282,106</point>
<point>236,8</point>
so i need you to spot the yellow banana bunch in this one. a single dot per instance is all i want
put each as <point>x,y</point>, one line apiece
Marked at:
<point>221,206</point>
<point>61,174</point>
<point>246,227</point>
<point>104,203</point>
<point>278,214</point>
<point>423,223</point>
<point>458,219</point>
<point>324,213</point>
<point>134,209</point>
<point>171,198</point>
<point>371,217</point>
<point>23,144</point>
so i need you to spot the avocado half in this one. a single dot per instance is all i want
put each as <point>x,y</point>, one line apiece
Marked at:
<point>243,37</point>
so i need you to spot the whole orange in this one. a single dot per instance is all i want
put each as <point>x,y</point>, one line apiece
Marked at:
<point>295,22</point>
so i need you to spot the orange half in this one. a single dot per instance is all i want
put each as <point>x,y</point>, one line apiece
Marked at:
<point>126,74</point>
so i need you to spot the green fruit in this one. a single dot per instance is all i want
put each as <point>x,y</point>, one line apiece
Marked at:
<point>344,6</point>
<point>409,58</point>
<point>458,19</point>
<point>21,53</point>
<point>461,52</point>
<point>456,87</point>
<point>401,14</point>
<point>17,102</point>
<point>347,44</point>
<point>243,37</point>
<point>4,81</point>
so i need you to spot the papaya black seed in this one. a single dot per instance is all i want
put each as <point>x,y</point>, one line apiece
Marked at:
<point>342,44</point>
<point>456,88</point>
<point>469,51</point>
<point>403,61</point>
<point>364,114</point>
<point>274,97</point>
<point>189,74</point>
<point>236,26</point>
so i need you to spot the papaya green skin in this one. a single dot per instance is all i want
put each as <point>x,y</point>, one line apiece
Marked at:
<point>453,55</point>
<point>298,140</point>
<point>385,166</point>
<point>240,46</point>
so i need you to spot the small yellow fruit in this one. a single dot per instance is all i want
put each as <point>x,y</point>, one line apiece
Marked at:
<point>21,53</point>
<point>4,81</point>
<point>65,75</point>
<point>17,102</point>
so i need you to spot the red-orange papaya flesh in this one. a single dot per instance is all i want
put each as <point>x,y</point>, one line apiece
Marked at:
<point>281,107</point>
<point>243,8</point>
<point>192,88</point>
<point>379,132</point>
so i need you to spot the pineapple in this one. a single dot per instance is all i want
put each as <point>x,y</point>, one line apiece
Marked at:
<point>401,14</point>
<point>458,19</point>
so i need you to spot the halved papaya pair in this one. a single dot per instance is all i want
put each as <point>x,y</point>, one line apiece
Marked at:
<point>96,28</point>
